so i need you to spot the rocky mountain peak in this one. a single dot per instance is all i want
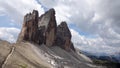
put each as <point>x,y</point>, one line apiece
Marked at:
<point>64,37</point>
<point>44,30</point>
<point>64,24</point>
<point>51,11</point>
<point>65,30</point>
<point>43,44</point>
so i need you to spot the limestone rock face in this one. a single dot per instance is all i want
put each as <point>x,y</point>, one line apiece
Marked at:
<point>48,21</point>
<point>29,28</point>
<point>44,30</point>
<point>64,37</point>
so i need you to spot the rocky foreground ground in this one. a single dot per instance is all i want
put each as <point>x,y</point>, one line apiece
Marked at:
<point>28,55</point>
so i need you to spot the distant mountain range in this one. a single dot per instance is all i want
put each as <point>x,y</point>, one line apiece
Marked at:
<point>105,59</point>
<point>113,58</point>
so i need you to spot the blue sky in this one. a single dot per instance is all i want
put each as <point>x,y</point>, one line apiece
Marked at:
<point>94,24</point>
<point>5,21</point>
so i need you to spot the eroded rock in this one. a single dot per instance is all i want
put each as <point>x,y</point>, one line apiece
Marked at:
<point>44,30</point>
<point>29,28</point>
<point>64,37</point>
<point>49,22</point>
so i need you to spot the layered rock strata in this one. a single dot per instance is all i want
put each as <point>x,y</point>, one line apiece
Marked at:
<point>44,30</point>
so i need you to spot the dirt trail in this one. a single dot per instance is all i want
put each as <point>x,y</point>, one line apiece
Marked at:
<point>8,56</point>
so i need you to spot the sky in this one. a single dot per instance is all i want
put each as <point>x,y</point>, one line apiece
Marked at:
<point>94,24</point>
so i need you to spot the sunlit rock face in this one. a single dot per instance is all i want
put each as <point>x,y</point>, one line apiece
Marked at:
<point>44,30</point>
<point>47,23</point>
<point>30,28</point>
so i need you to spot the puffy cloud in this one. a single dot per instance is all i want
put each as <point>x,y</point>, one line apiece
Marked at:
<point>95,45</point>
<point>9,34</point>
<point>73,11</point>
<point>91,13</point>
<point>16,9</point>
<point>96,17</point>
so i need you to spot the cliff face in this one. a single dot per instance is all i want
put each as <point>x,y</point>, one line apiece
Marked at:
<point>44,30</point>
<point>63,38</point>
<point>30,28</point>
<point>47,23</point>
<point>40,45</point>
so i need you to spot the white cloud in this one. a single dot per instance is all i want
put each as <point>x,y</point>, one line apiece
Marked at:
<point>9,34</point>
<point>96,17</point>
<point>73,11</point>
<point>96,45</point>
<point>16,9</point>
<point>89,15</point>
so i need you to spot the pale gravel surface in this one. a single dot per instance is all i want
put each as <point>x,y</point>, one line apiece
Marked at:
<point>40,56</point>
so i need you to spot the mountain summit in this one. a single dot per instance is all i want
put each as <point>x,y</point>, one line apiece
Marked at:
<point>44,30</point>
<point>43,44</point>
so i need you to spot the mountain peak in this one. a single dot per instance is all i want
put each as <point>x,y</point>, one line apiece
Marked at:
<point>52,10</point>
<point>44,30</point>
<point>43,44</point>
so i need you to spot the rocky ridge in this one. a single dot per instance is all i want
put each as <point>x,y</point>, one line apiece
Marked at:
<point>43,44</point>
<point>44,30</point>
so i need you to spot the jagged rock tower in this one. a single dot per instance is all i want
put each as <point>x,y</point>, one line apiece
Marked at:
<point>44,30</point>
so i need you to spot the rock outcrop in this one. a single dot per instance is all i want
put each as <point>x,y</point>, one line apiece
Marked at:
<point>47,24</point>
<point>30,28</point>
<point>43,44</point>
<point>64,37</point>
<point>44,30</point>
